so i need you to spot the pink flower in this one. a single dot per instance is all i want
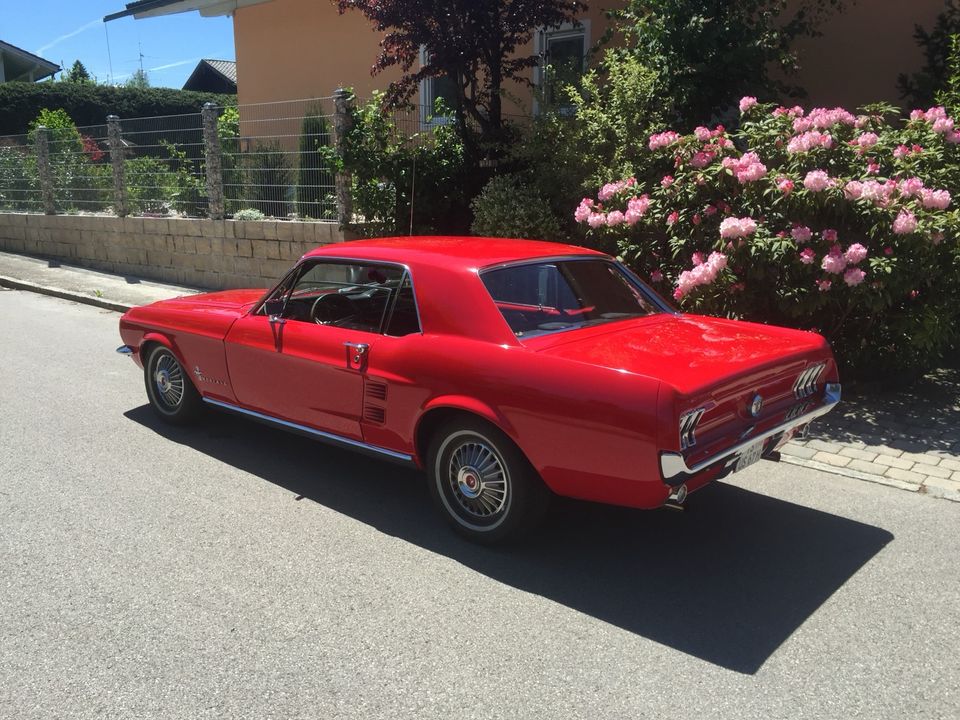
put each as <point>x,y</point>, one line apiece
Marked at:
<point>656,276</point>
<point>807,256</point>
<point>808,141</point>
<point>583,210</point>
<point>935,199</point>
<point>901,152</point>
<point>667,181</point>
<point>596,220</point>
<point>696,219</point>
<point>662,140</point>
<point>732,227</point>
<point>823,118</point>
<point>918,115</point>
<point>785,185</point>
<point>855,254</point>
<point>878,193</point>
<point>953,138</point>
<point>746,103</point>
<point>614,217</point>
<point>834,262</point>
<point>853,190</point>
<point>943,126</point>
<point>702,159</point>
<point>703,134</point>
<point>868,139</point>
<point>818,180</point>
<point>703,273</point>
<point>905,223</point>
<point>911,187</point>
<point>862,122</point>
<point>824,285</point>
<point>854,276</point>
<point>673,217</point>
<point>873,168</point>
<point>888,251</point>
<point>829,235</point>
<point>710,210</point>
<point>747,169</point>
<point>801,233</point>
<point>698,258</point>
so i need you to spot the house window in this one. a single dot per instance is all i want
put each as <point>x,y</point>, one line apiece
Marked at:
<point>564,53</point>
<point>432,89</point>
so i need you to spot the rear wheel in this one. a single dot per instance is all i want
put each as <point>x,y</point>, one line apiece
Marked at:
<point>170,391</point>
<point>482,483</point>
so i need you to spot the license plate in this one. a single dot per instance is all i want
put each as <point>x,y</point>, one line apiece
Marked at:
<point>749,455</point>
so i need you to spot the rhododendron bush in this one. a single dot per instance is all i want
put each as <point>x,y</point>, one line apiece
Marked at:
<point>827,220</point>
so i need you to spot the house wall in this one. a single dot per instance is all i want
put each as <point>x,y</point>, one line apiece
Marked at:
<point>212,254</point>
<point>291,49</point>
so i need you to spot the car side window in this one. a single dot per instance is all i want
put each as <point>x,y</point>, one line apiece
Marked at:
<point>404,318</point>
<point>343,294</point>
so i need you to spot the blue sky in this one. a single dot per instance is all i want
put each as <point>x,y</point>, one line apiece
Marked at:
<point>63,31</point>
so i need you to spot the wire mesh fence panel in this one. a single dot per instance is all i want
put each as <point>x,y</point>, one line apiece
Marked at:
<point>19,178</point>
<point>164,164</point>
<point>275,159</point>
<point>80,171</point>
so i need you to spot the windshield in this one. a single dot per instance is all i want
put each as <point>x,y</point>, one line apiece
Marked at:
<point>556,295</point>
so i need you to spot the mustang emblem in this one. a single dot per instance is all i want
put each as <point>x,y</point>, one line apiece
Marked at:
<point>203,378</point>
<point>756,405</point>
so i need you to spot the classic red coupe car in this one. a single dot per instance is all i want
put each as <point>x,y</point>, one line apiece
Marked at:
<point>506,369</point>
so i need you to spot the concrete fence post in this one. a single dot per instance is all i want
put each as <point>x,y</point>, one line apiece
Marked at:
<point>42,142</point>
<point>115,141</point>
<point>213,158</point>
<point>342,124</point>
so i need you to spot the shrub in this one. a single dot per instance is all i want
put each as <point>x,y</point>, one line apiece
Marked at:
<point>80,179</point>
<point>313,176</point>
<point>90,104</point>
<point>19,184</point>
<point>507,207</point>
<point>248,214</point>
<point>269,176</point>
<point>151,185</point>
<point>824,220</point>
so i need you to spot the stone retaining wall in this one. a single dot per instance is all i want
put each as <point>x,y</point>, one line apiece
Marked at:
<point>212,254</point>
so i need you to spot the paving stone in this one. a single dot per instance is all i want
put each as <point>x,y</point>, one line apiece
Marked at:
<point>921,458</point>
<point>950,463</point>
<point>933,471</point>
<point>906,476</point>
<point>867,467</point>
<point>801,452</point>
<point>882,449</point>
<point>858,454</point>
<point>827,447</point>
<point>831,459</point>
<point>894,462</point>
<point>944,483</point>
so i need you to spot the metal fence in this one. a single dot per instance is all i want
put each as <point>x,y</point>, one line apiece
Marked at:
<point>272,158</point>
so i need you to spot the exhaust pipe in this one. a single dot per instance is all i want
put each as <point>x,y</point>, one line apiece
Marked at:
<point>676,498</point>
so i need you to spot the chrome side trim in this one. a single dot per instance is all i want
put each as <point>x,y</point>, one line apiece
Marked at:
<point>674,466</point>
<point>125,350</point>
<point>329,437</point>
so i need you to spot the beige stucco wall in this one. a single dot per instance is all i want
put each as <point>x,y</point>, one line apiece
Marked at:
<point>213,254</point>
<point>292,49</point>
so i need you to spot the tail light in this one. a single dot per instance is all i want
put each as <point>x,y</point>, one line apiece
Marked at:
<point>688,426</point>
<point>806,383</point>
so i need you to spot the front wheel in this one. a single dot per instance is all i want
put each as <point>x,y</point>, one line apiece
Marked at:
<point>482,483</point>
<point>171,393</point>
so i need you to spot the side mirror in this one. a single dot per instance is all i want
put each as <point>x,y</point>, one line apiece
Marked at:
<point>273,308</point>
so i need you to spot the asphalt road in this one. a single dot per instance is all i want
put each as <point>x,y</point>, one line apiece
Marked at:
<point>233,571</point>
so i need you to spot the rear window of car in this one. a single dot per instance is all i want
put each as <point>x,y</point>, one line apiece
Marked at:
<point>552,296</point>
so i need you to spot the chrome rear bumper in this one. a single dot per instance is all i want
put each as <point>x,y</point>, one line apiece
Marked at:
<point>674,468</point>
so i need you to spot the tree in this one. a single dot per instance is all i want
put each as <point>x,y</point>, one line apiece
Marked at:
<point>78,74</point>
<point>139,79</point>
<point>471,43</point>
<point>920,88</point>
<point>709,53</point>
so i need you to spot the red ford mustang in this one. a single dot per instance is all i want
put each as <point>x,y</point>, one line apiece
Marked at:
<point>506,369</point>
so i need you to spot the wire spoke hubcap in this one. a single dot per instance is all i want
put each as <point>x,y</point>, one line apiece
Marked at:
<point>168,379</point>
<point>477,479</point>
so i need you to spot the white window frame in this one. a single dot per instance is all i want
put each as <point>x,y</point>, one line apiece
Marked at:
<point>541,42</point>
<point>427,118</point>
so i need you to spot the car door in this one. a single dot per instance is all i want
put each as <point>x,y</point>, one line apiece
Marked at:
<point>307,365</point>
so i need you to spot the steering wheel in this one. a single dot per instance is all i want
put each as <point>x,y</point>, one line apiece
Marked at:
<point>331,307</point>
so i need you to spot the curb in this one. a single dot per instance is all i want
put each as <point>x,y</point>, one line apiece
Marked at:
<point>868,477</point>
<point>64,294</point>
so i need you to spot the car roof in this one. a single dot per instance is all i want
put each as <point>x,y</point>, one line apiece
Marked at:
<point>450,252</point>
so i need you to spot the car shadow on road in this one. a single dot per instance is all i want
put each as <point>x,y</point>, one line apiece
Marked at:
<point>727,581</point>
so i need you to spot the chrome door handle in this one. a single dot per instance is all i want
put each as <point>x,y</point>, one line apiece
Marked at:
<point>356,352</point>
<point>358,348</point>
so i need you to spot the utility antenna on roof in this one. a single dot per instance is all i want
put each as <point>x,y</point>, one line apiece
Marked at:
<point>109,59</point>
<point>140,48</point>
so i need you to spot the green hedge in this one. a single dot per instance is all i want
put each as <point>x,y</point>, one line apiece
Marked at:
<point>90,104</point>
